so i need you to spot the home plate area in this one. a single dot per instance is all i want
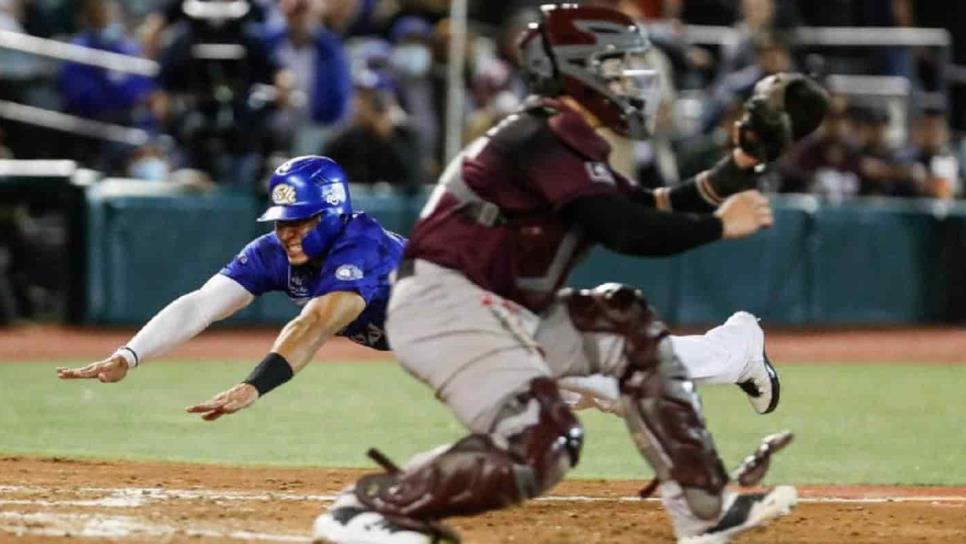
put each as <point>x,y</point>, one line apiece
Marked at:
<point>57,500</point>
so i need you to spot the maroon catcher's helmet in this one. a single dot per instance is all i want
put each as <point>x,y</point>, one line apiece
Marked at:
<point>596,56</point>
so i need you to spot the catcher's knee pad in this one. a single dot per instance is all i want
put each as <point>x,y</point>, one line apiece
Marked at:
<point>663,412</point>
<point>617,309</point>
<point>536,440</point>
<point>542,434</point>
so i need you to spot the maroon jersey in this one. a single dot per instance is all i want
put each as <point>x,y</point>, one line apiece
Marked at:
<point>530,167</point>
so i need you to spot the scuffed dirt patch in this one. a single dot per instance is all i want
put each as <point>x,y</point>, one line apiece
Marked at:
<point>44,500</point>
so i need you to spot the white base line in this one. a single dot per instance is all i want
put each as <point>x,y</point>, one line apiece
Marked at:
<point>101,525</point>
<point>121,497</point>
<point>801,500</point>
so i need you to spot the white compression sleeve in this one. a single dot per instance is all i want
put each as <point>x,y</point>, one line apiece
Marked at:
<point>188,315</point>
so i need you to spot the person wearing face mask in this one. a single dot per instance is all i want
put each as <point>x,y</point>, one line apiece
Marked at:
<point>411,63</point>
<point>94,92</point>
<point>331,261</point>
<point>317,68</point>
<point>377,146</point>
<point>150,162</point>
<point>412,59</point>
<point>99,94</point>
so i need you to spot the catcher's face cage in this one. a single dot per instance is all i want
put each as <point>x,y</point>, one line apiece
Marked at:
<point>598,56</point>
<point>634,87</point>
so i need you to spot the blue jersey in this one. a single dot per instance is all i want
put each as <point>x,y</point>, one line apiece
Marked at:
<point>360,261</point>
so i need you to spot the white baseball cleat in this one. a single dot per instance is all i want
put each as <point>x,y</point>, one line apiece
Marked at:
<point>760,381</point>
<point>348,521</point>
<point>747,512</point>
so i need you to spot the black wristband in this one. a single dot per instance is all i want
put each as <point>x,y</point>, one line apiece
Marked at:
<point>272,372</point>
<point>689,197</point>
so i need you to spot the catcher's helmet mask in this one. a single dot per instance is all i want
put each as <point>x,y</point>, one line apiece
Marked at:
<point>597,56</point>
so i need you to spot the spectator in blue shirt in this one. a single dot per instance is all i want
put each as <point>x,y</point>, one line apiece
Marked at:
<point>319,72</point>
<point>94,92</point>
<point>100,94</point>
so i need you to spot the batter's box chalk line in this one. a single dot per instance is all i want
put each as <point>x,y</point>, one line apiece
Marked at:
<point>101,525</point>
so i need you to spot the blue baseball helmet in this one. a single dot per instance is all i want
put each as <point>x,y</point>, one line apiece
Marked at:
<point>307,186</point>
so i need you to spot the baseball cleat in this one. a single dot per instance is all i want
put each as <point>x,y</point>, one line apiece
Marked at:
<point>348,521</point>
<point>762,384</point>
<point>747,512</point>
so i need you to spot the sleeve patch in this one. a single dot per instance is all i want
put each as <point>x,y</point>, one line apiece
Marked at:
<point>348,272</point>
<point>599,172</point>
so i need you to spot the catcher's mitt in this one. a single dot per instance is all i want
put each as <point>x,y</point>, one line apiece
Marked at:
<point>784,108</point>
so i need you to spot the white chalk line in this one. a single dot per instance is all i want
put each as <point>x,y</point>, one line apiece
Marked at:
<point>801,500</point>
<point>137,496</point>
<point>113,526</point>
<point>132,497</point>
<point>99,525</point>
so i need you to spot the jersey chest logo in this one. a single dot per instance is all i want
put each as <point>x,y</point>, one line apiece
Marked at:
<point>300,282</point>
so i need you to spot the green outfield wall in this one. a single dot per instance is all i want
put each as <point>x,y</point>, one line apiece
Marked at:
<point>863,263</point>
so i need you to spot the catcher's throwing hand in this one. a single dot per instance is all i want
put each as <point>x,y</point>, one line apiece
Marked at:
<point>110,370</point>
<point>238,397</point>
<point>744,214</point>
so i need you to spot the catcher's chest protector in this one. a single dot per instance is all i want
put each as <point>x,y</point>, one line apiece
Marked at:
<point>496,214</point>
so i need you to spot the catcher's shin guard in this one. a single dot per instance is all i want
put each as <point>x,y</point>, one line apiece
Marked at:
<point>662,410</point>
<point>536,440</point>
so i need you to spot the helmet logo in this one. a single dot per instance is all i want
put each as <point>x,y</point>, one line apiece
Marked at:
<point>283,193</point>
<point>334,194</point>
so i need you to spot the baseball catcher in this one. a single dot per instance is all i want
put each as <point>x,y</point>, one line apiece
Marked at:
<point>478,312</point>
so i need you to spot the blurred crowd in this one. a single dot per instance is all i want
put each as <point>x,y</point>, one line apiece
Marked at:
<point>244,84</point>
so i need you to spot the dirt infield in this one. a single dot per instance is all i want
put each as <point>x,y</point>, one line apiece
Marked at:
<point>57,500</point>
<point>936,345</point>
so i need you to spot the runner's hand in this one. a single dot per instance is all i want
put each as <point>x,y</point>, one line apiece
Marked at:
<point>110,370</point>
<point>238,397</point>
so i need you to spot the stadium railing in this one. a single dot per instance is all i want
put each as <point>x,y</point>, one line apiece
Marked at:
<point>822,264</point>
